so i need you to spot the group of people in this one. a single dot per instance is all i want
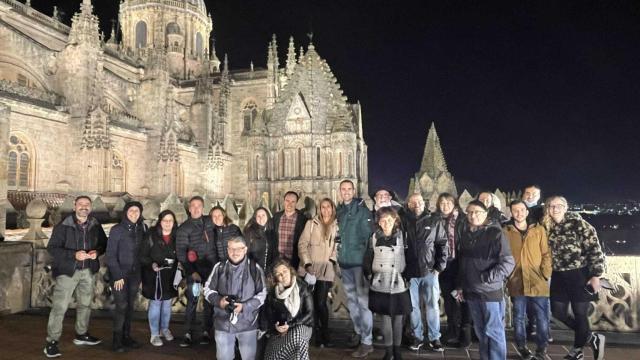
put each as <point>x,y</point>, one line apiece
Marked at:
<point>266,287</point>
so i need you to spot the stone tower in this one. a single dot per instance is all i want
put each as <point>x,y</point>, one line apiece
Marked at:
<point>433,177</point>
<point>181,27</point>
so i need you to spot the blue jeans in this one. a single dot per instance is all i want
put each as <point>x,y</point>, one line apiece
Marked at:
<point>226,344</point>
<point>540,307</point>
<point>428,288</point>
<point>488,322</point>
<point>357,290</point>
<point>159,315</point>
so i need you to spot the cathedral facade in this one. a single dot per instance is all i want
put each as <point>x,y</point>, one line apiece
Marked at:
<point>158,112</point>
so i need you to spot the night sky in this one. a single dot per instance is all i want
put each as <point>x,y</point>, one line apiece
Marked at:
<point>543,92</point>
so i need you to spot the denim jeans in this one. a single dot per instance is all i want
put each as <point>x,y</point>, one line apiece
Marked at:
<point>488,323</point>
<point>159,315</point>
<point>356,288</point>
<point>427,288</point>
<point>225,344</point>
<point>540,307</point>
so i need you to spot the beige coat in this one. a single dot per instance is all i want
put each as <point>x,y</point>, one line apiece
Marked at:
<point>318,250</point>
<point>531,275</point>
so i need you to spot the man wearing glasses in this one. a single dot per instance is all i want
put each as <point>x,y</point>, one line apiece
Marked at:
<point>236,290</point>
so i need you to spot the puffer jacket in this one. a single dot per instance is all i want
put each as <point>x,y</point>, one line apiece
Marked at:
<point>123,248</point>
<point>192,236</point>
<point>355,227</point>
<point>68,237</point>
<point>276,310</point>
<point>318,250</point>
<point>222,234</point>
<point>485,262</point>
<point>427,244</point>
<point>574,245</point>
<point>532,271</point>
<point>384,262</point>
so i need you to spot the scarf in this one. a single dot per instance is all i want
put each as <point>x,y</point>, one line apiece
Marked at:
<point>451,233</point>
<point>291,297</point>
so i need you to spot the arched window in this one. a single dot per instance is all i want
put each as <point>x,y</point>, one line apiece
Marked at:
<point>141,34</point>
<point>249,114</point>
<point>19,165</point>
<point>318,161</point>
<point>117,173</point>
<point>282,164</point>
<point>300,161</point>
<point>256,167</point>
<point>199,44</point>
<point>339,172</point>
<point>349,171</point>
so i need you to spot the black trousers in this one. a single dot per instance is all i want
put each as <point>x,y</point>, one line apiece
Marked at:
<point>124,300</point>
<point>457,313</point>
<point>190,320</point>
<point>320,294</point>
<point>568,289</point>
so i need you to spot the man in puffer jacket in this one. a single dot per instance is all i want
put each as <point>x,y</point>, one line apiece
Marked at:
<point>426,256</point>
<point>485,263</point>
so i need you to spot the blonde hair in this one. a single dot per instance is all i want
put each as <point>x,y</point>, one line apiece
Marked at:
<point>547,221</point>
<point>326,226</point>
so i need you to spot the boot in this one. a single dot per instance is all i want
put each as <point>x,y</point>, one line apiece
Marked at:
<point>388,353</point>
<point>129,342</point>
<point>397,352</point>
<point>326,338</point>
<point>452,337</point>
<point>117,343</point>
<point>465,336</point>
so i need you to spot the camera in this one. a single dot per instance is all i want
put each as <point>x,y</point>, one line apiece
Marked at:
<point>231,299</point>
<point>169,261</point>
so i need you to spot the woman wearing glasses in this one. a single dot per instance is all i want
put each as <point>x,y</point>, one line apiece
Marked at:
<point>578,263</point>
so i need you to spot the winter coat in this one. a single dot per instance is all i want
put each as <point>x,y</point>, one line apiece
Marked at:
<point>384,261</point>
<point>123,248</point>
<point>301,220</point>
<point>494,214</point>
<point>574,244</point>
<point>427,244</point>
<point>222,234</point>
<point>275,309</point>
<point>355,226</point>
<point>532,256</point>
<point>69,237</point>
<point>262,244</point>
<point>155,250</point>
<point>191,236</point>
<point>245,281</point>
<point>318,250</point>
<point>485,262</point>
<point>535,214</point>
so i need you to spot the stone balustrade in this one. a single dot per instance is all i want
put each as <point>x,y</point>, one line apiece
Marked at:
<point>36,15</point>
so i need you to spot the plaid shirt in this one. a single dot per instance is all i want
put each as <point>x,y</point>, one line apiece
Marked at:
<point>285,235</point>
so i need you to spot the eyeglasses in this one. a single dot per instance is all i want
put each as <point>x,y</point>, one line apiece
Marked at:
<point>237,249</point>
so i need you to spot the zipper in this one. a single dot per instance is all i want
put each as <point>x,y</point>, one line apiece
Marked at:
<point>84,241</point>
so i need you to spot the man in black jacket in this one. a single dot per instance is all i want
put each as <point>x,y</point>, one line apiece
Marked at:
<point>426,256</point>
<point>288,225</point>
<point>75,245</point>
<point>195,250</point>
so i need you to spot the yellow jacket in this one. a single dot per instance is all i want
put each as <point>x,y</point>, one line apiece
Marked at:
<point>531,251</point>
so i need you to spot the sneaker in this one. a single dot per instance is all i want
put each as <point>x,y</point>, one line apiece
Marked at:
<point>51,349</point>
<point>416,345</point>
<point>155,340</point>
<point>166,333</point>
<point>354,341</point>
<point>574,354</point>
<point>362,351</point>
<point>524,353</point>
<point>86,339</point>
<point>186,341</point>
<point>542,355</point>
<point>436,346</point>
<point>597,345</point>
<point>205,339</point>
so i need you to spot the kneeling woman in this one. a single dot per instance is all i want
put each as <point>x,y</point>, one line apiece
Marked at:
<point>384,264</point>
<point>290,315</point>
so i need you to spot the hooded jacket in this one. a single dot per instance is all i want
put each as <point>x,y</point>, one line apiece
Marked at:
<point>532,256</point>
<point>427,244</point>
<point>574,245</point>
<point>355,227</point>
<point>68,237</point>
<point>485,262</point>
<point>123,248</point>
<point>318,249</point>
<point>192,236</point>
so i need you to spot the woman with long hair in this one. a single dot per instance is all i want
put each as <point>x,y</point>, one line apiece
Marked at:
<point>260,237</point>
<point>159,263</point>
<point>317,251</point>
<point>578,262</point>
<point>289,308</point>
<point>223,230</point>
<point>384,264</point>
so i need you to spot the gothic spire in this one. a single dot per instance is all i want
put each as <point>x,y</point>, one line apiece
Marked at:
<point>84,26</point>
<point>433,159</point>
<point>291,57</point>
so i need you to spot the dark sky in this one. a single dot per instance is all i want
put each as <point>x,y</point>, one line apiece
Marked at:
<point>544,92</point>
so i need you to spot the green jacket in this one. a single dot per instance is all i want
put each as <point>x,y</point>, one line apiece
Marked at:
<point>354,222</point>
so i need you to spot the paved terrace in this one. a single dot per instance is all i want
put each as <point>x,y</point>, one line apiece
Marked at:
<point>22,337</point>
